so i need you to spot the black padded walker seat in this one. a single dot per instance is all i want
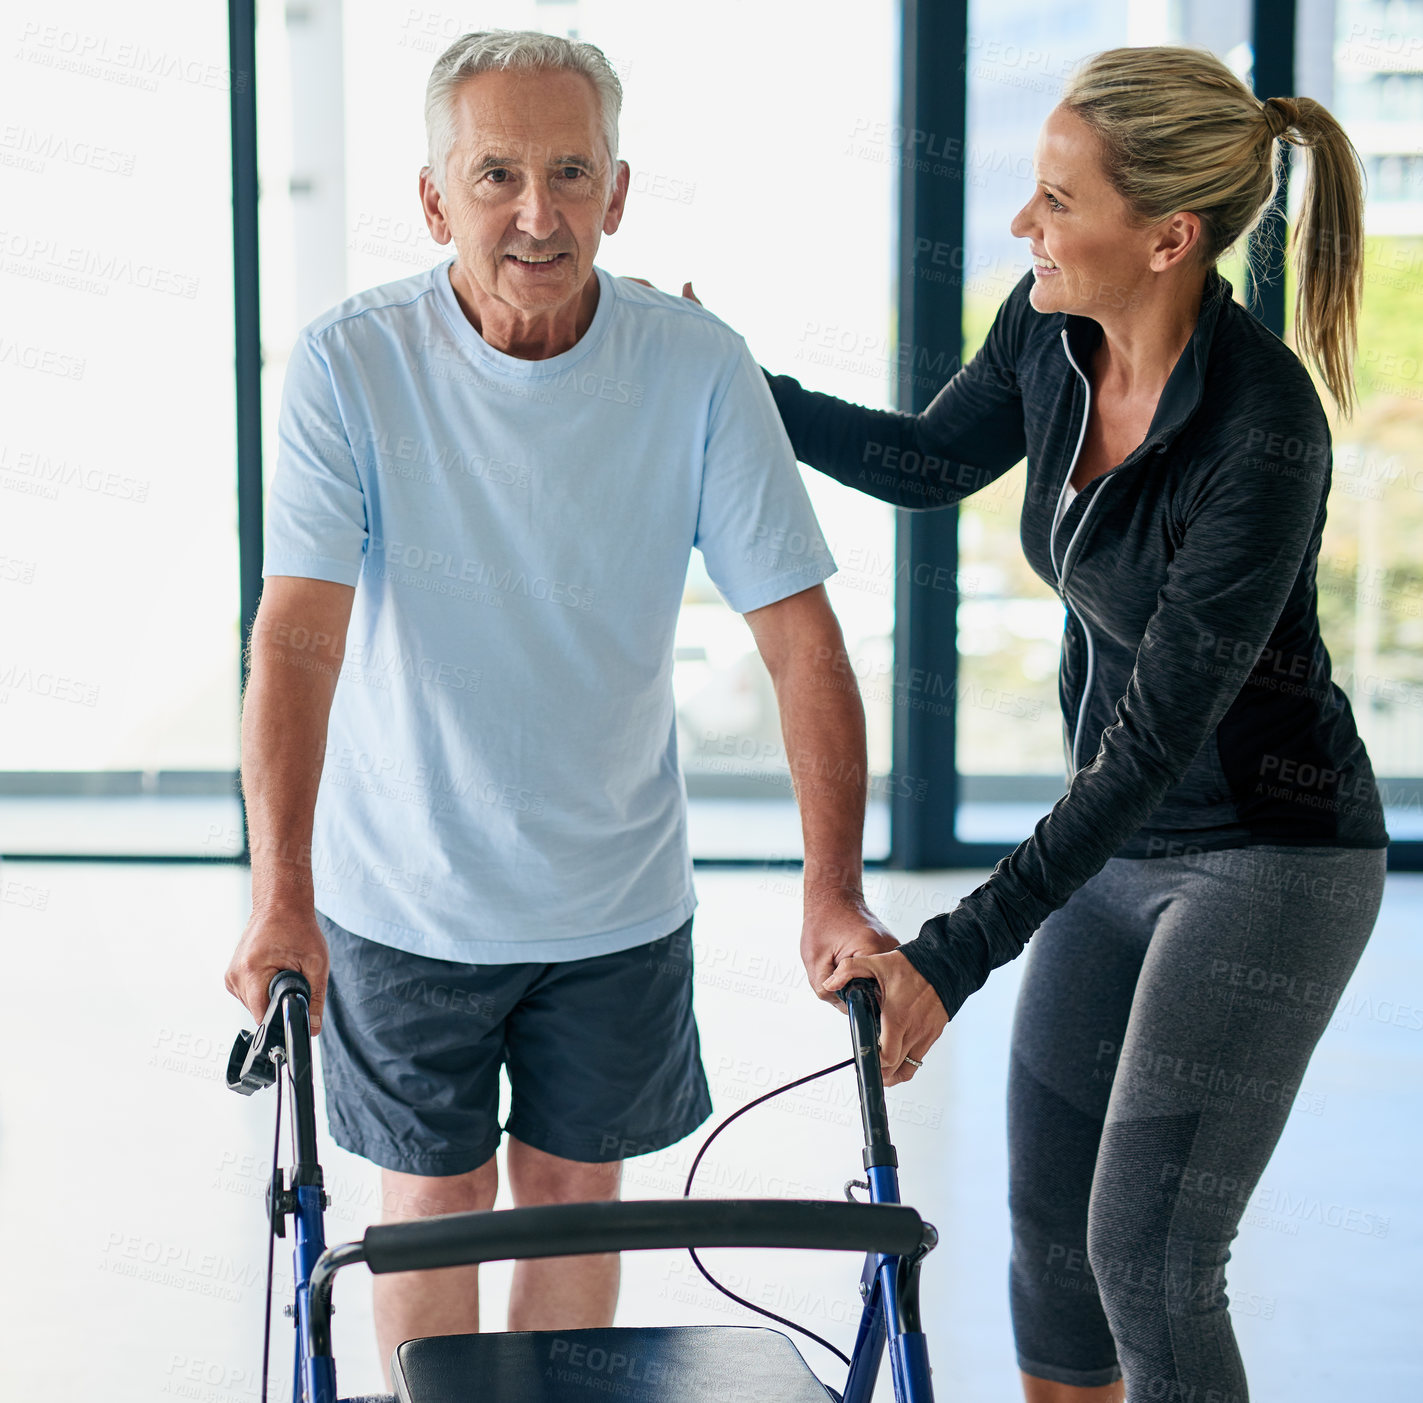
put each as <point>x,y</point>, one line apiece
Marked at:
<point>659,1364</point>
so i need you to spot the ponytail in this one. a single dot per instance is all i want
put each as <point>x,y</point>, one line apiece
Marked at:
<point>1327,246</point>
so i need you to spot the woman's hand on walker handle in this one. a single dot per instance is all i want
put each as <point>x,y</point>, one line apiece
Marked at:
<point>911,1014</point>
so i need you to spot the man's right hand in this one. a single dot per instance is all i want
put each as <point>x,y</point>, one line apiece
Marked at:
<point>270,944</point>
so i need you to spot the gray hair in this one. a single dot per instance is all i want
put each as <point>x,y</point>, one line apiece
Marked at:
<point>512,48</point>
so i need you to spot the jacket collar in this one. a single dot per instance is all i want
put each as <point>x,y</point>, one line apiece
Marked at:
<point>1185,385</point>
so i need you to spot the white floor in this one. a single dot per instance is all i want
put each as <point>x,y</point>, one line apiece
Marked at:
<point>131,1228</point>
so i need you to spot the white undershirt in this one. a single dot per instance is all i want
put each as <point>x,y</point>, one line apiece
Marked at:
<point>1063,503</point>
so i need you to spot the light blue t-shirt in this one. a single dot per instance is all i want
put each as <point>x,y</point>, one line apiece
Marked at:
<point>501,780</point>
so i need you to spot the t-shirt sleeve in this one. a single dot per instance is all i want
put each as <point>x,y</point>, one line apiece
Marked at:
<point>756,528</point>
<point>316,507</point>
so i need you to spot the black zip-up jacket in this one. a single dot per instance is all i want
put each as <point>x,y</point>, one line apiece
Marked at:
<point>1198,707</point>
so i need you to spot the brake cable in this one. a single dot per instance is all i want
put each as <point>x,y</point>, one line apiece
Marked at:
<point>272,1190</point>
<point>687,1193</point>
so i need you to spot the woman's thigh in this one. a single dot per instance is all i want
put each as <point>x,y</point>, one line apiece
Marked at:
<point>1249,956</point>
<point>1078,984</point>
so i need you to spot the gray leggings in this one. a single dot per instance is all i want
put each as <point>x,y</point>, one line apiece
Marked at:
<point>1164,1023</point>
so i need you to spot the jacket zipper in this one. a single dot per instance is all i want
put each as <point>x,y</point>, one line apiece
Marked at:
<point>1067,556</point>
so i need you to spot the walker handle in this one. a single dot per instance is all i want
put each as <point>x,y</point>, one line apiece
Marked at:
<point>868,987</point>
<point>861,998</point>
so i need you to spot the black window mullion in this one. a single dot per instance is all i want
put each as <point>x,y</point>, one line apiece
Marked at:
<point>933,118</point>
<point>1272,39</point>
<point>242,50</point>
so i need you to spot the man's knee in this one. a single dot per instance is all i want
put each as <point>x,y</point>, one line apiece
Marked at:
<point>535,1176</point>
<point>406,1196</point>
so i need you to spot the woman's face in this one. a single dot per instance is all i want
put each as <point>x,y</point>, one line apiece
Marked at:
<point>1087,257</point>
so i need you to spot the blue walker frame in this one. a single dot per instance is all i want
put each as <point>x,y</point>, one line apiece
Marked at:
<point>888,1283</point>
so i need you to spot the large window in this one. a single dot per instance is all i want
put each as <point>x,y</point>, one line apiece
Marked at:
<point>1010,740</point>
<point>1370,575</point>
<point>767,165</point>
<point>118,544</point>
<point>1010,735</point>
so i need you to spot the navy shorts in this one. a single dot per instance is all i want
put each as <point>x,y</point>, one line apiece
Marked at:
<point>603,1055</point>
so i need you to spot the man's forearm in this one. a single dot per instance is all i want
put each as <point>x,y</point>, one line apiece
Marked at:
<point>823,723</point>
<point>284,718</point>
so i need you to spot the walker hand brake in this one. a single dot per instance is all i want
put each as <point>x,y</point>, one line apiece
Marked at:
<point>250,1065</point>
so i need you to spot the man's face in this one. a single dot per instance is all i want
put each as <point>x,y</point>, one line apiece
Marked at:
<point>529,190</point>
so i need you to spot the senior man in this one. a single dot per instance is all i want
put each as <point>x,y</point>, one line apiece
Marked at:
<point>459,747</point>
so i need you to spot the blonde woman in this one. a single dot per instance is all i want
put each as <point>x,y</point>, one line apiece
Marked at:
<point>1205,887</point>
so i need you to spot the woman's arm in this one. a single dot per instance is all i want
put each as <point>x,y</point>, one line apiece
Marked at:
<point>971,434</point>
<point>1248,531</point>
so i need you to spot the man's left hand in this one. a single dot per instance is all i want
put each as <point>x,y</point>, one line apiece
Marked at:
<point>837,928</point>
